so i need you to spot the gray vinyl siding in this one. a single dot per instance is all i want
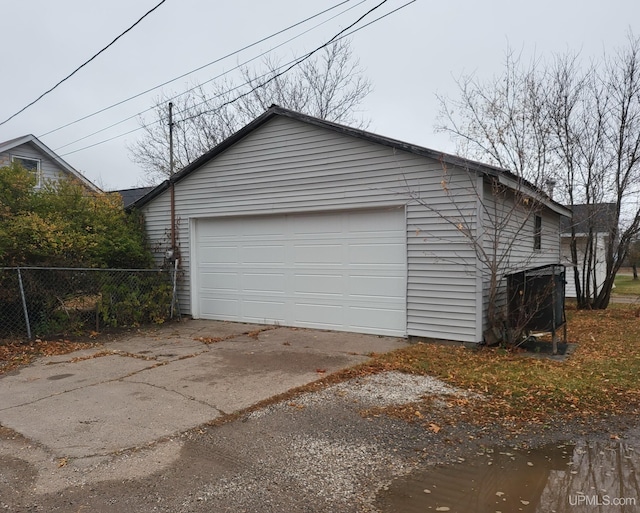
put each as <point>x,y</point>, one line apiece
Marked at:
<point>49,169</point>
<point>287,166</point>
<point>517,238</point>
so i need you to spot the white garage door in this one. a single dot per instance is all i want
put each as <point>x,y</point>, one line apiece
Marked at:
<point>339,271</point>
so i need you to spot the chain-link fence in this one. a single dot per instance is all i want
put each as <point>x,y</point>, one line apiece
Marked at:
<point>46,301</point>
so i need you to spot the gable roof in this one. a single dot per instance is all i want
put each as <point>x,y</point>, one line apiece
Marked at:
<point>505,177</point>
<point>601,217</point>
<point>43,148</point>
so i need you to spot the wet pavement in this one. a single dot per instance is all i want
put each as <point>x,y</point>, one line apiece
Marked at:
<point>594,476</point>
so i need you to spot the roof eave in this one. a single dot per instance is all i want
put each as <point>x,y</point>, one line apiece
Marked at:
<point>509,178</point>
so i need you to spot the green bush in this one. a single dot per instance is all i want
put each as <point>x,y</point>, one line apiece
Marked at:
<point>141,299</point>
<point>67,225</point>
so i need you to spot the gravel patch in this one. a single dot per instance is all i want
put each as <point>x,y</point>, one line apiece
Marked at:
<point>323,471</point>
<point>393,388</point>
<point>384,389</point>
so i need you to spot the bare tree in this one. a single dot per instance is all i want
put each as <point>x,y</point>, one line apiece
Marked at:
<point>578,127</point>
<point>634,257</point>
<point>622,133</point>
<point>330,86</point>
<point>503,121</point>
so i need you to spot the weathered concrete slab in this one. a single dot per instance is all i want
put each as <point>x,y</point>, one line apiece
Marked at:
<point>159,382</point>
<point>104,418</point>
<point>37,382</point>
<point>230,379</point>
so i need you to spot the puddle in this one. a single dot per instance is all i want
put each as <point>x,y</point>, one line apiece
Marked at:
<point>586,477</point>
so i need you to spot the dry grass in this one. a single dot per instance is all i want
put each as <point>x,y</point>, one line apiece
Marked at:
<point>602,377</point>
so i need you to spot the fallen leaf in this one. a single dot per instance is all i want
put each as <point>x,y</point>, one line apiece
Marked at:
<point>435,428</point>
<point>209,340</point>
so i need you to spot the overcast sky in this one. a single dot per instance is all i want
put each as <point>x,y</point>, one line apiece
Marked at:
<point>409,57</point>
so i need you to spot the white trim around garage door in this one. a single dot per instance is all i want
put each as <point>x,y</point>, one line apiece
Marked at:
<point>338,270</point>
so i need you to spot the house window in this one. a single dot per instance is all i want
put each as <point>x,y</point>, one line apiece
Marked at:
<point>32,165</point>
<point>537,233</point>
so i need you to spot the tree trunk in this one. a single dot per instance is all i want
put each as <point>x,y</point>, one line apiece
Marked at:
<point>635,271</point>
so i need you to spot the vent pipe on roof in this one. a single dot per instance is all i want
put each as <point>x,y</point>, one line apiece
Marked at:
<point>550,184</point>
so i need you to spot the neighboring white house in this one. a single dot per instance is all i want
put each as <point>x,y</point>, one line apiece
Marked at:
<point>36,157</point>
<point>302,222</point>
<point>600,218</point>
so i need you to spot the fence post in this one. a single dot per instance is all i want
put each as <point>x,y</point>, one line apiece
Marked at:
<point>24,304</point>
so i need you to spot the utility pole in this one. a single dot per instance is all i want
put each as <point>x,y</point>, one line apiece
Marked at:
<point>173,252</point>
<point>171,187</point>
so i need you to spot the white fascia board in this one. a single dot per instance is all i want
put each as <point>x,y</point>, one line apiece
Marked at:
<point>551,205</point>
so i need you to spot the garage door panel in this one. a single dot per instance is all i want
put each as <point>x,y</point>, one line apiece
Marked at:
<point>319,283</point>
<point>342,271</point>
<point>220,254</point>
<point>385,221</point>
<point>263,254</point>
<point>220,281</point>
<point>391,289</point>
<point>378,254</point>
<point>266,283</point>
<point>262,310</point>
<point>318,254</point>
<point>222,308</point>
<point>317,225</point>
<point>327,315</point>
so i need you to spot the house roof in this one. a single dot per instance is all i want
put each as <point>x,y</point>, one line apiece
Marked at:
<point>509,179</point>
<point>601,217</point>
<point>130,196</point>
<point>32,139</point>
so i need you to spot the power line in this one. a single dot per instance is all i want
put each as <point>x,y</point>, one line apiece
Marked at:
<point>238,66</point>
<point>337,37</point>
<point>83,64</point>
<point>207,65</point>
<point>293,65</point>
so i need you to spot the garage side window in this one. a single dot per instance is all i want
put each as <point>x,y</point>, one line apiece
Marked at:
<point>32,165</point>
<point>537,233</point>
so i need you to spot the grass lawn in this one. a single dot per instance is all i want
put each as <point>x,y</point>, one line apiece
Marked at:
<point>602,377</point>
<point>625,284</point>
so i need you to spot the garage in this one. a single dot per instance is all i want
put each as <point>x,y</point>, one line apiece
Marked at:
<point>342,271</point>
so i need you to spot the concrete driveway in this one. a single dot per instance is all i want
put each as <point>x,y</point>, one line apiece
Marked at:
<point>160,382</point>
